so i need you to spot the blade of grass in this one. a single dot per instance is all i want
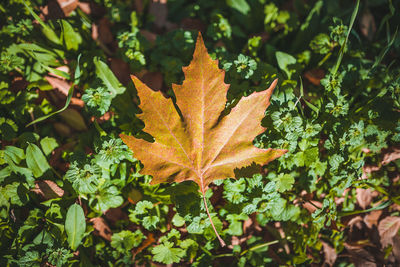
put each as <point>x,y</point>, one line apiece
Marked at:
<point>48,31</point>
<point>67,102</point>
<point>379,207</point>
<point>341,52</point>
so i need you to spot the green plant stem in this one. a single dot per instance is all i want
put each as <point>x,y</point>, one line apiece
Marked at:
<point>259,246</point>
<point>221,241</point>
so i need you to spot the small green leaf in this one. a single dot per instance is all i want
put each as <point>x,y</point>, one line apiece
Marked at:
<point>35,160</point>
<point>48,144</point>
<point>165,253</point>
<point>14,153</point>
<point>124,241</point>
<point>71,38</point>
<point>239,5</point>
<point>108,78</point>
<point>75,225</point>
<point>178,221</point>
<point>284,60</point>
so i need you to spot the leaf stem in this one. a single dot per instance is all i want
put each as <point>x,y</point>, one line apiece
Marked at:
<point>209,217</point>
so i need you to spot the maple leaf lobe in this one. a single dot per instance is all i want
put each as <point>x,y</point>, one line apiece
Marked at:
<point>199,146</point>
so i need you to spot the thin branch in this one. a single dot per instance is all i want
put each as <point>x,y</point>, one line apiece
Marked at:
<point>209,216</point>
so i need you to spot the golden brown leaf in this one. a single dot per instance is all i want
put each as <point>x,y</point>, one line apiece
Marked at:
<point>200,146</point>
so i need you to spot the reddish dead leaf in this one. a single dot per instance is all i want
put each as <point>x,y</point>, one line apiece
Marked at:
<point>18,84</point>
<point>138,5</point>
<point>158,9</point>
<point>367,24</point>
<point>121,70</point>
<point>371,219</point>
<point>200,146</point>
<point>360,257</point>
<point>77,102</point>
<point>48,189</point>
<point>364,197</point>
<point>154,80</point>
<point>68,6</point>
<point>106,117</point>
<point>147,242</point>
<point>193,24</point>
<point>60,85</point>
<point>388,228</point>
<point>396,247</point>
<point>52,10</point>
<point>314,76</point>
<point>61,68</point>
<point>104,31</point>
<point>101,227</point>
<point>114,215</point>
<point>329,253</point>
<point>390,154</point>
<point>150,36</point>
<point>312,205</point>
<point>367,170</point>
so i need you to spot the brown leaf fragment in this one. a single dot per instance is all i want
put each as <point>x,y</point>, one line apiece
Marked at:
<point>60,85</point>
<point>371,219</point>
<point>360,257</point>
<point>390,154</point>
<point>329,253</point>
<point>102,228</point>
<point>105,35</point>
<point>314,76</point>
<point>114,215</point>
<point>92,9</point>
<point>396,248</point>
<point>52,10</point>
<point>367,24</point>
<point>388,228</point>
<point>147,242</point>
<point>48,189</point>
<point>121,70</point>
<point>364,197</point>
<point>158,9</point>
<point>154,80</point>
<point>193,24</point>
<point>150,36</point>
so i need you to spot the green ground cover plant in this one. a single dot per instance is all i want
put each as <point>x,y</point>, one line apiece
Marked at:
<point>72,194</point>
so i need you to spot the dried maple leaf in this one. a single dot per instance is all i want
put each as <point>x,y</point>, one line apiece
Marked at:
<point>199,145</point>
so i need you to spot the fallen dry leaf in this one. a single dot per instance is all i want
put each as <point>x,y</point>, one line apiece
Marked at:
<point>60,85</point>
<point>371,219</point>
<point>390,154</point>
<point>101,227</point>
<point>154,80</point>
<point>200,146</point>
<point>147,242</point>
<point>388,228</point>
<point>121,70</point>
<point>364,197</point>
<point>367,24</point>
<point>158,9</point>
<point>48,189</point>
<point>314,76</point>
<point>329,253</point>
<point>360,257</point>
